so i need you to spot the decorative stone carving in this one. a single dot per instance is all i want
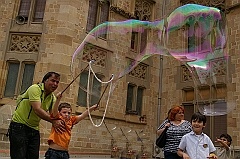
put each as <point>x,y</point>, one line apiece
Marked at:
<point>24,43</point>
<point>93,52</point>
<point>143,9</point>
<point>140,71</point>
<point>211,3</point>
<point>218,67</point>
<point>186,74</point>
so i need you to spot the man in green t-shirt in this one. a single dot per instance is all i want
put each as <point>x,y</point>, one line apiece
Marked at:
<point>32,106</point>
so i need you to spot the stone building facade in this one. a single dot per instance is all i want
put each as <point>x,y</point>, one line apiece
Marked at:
<point>38,36</point>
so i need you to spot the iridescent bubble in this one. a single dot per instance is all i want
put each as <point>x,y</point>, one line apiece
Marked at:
<point>192,34</point>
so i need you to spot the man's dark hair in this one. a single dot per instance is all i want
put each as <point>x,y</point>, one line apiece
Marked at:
<point>228,137</point>
<point>199,117</point>
<point>49,74</point>
<point>64,105</point>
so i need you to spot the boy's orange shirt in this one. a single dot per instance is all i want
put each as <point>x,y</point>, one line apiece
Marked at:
<point>62,139</point>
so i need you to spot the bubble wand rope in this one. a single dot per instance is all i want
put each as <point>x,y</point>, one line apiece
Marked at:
<point>104,92</point>
<point>74,79</point>
<point>105,111</point>
<point>88,87</point>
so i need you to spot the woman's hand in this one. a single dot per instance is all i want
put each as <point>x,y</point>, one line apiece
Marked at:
<point>167,125</point>
<point>159,132</point>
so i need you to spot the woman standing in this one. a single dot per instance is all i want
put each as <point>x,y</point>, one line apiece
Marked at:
<point>177,128</point>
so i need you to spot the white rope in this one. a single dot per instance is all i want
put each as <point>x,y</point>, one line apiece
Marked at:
<point>88,90</point>
<point>99,80</point>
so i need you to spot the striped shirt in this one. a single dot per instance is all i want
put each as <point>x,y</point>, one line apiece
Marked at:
<point>174,134</point>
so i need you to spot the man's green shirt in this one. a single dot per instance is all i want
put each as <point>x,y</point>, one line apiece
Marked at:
<point>24,112</point>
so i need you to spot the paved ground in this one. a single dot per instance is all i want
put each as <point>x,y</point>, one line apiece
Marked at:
<point>6,156</point>
<point>89,157</point>
<point>70,158</point>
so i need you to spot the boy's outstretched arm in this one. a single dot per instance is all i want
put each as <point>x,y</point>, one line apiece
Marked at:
<point>56,104</point>
<point>85,113</point>
<point>57,124</point>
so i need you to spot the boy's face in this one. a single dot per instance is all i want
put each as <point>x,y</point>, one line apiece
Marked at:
<point>197,126</point>
<point>224,140</point>
<point>65,113</point>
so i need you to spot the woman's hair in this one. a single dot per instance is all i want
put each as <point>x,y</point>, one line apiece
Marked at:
<point>49,74</point>
<point>174,111</point>
<point>199,117</point>
<point>228,137</point>
<point>64,105</point>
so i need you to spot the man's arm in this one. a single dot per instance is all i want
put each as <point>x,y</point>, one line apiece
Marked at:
<point>36,105</point>
<point>57,124</point>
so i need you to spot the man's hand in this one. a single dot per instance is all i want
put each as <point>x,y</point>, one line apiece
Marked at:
<point>59,126</point>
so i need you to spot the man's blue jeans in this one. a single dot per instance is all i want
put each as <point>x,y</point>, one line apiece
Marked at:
<point>24,141</point>
<point>56,154</point>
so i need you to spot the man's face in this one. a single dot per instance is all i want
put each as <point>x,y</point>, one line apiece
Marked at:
<point>51,84</point>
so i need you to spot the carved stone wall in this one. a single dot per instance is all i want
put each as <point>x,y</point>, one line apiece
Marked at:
<point>140,72</point>
<point>217,67</point>
<point>92,52</point>
<point>212,3</point>
<point>24,43</point>
<point>143,9</point>
<point>186,74</point>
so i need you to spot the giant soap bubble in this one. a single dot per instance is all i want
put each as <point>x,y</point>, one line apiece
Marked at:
<point>192,34</point>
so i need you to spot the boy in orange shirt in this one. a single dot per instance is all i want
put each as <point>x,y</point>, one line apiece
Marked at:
<point>58,142</point>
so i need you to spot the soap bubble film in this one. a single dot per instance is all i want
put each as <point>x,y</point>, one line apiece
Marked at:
<point>193,34</point>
